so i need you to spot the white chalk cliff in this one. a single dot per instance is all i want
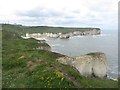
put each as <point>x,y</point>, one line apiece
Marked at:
<point>65,35</point>
<point>89,65</point>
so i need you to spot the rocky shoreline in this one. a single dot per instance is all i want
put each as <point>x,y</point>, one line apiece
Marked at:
<point>89,65</point>
<point>63,35</point>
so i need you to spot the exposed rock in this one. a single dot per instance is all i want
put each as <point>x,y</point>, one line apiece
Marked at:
<point>42,45</point>
<point>92,64</point>
<point>47,48</point>
<point>66,60</point>
<point>63,35</point>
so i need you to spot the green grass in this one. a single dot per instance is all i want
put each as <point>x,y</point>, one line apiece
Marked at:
<point>21,30</point>
<point>26,67</point>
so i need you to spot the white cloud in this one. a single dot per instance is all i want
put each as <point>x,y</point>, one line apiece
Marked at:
<point>98,13</point>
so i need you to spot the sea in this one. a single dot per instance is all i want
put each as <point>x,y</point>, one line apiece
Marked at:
<point>106,42</point>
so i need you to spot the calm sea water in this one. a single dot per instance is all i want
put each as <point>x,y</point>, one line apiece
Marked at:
<point>107,43</point>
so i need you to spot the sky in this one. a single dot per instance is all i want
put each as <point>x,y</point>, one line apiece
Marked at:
<point>68,13</point>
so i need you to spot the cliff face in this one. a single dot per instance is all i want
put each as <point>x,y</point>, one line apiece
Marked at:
<point>89,65</point>
<point>65,35</point>
<point>41,45</point>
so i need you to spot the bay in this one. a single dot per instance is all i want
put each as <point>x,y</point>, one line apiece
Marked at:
<point>107,43</point>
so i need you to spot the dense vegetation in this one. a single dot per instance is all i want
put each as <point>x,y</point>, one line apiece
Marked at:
<point>27,67</point>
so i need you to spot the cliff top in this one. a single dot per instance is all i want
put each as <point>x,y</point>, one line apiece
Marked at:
<point>42,29</point>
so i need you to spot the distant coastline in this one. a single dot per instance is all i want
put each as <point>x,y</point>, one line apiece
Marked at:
<point>63,35</point>
<point>53,32</point>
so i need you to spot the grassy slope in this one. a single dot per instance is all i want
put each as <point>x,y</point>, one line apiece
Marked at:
<point>24,67</point>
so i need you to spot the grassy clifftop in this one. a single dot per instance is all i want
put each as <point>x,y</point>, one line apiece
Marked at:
<point>41,29</point>
<point>26,67</point>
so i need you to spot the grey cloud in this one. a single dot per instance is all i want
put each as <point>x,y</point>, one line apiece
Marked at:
<point>40,15</point>
<point>44,16</point>
<point>39,12</point>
